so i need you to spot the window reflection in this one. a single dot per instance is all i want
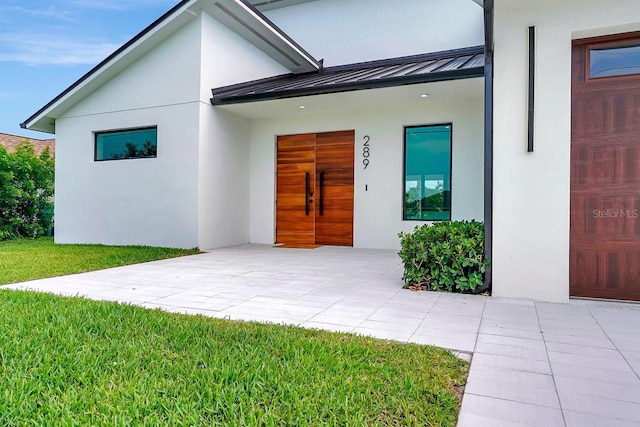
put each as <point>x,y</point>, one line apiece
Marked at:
<point>614,61</point>
<point>126,144</point>
<point>427,165</point>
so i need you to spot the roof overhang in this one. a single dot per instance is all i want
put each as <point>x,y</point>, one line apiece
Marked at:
<point>239,15</point>
<point>433,67</point>
<point>248,22</point>
<point>276,4</point>
<point>341,105</point>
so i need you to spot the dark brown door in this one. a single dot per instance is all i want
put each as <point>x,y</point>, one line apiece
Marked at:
<point>320,167</point>
<point>605,175</point>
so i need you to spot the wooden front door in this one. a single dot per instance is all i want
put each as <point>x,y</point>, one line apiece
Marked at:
<point>605,172</point>
<point>314,189</point>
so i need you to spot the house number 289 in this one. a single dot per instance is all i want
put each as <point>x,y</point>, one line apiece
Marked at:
<point>366,151</point>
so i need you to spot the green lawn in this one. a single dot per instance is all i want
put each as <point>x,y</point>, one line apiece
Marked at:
<point>70,361</point>
<point>29,259</point>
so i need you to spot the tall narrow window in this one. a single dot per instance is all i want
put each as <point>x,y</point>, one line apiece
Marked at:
<point>126,144</point>
<point>427,173</point>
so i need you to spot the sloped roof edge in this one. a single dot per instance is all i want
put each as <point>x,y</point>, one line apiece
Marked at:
<point>40,120</point>
<point>27,124</point>
<point>10,142</point>
<point>430,67</point>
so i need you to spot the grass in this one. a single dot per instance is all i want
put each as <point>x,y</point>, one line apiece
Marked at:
<point>30,259</point>
<point>71,361</point>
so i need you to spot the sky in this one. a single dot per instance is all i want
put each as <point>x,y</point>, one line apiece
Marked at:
<point>45,46</point>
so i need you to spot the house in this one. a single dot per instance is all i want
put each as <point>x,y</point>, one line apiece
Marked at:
<point>343,122</point>
<point>10,142</point>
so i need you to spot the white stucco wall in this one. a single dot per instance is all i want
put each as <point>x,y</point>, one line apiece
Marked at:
<point>228,59</point>
<point>195,193</point>
<point>531,190</point>
<point>224,137</point>
<point>224,179</point>
<point>138,201</point>
<point>167,75</point>
<point>378,211</point>
<point>348,31</point>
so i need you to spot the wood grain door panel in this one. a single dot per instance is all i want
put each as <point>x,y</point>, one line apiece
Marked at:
<point>295,162</point>
<point>604,254</point>
<point>328,158</point>
<point>334,160</point>
<point>602,273</point>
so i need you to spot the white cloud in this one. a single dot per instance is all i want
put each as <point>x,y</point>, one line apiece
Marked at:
<point>68,32</point>
<point>51,12</point>
<point>42,49</point>
<point>118,4</point>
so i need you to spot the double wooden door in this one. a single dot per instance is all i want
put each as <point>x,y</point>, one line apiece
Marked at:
<point>605,178</point>
<point>314,189</point>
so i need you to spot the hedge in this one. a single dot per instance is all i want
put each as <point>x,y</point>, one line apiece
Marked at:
<point>444,256</point>
<point>26,192</point>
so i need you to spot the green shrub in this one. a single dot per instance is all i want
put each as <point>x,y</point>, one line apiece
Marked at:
<point>26,192</point>
<point>445,256</point>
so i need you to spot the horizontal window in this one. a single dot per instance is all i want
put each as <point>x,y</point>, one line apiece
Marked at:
<point>427,173</point>
<point>126,144</point>
<point>614,60</point>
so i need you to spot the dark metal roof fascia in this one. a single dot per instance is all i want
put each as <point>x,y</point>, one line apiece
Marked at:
<point>95,69</point>
<point>219,93</point>
<point>224,95</point>
<point>282,34</point>
<point>256,83</point>
<point>220,99</point>
<point>143,33</point>
<point>413,58</point>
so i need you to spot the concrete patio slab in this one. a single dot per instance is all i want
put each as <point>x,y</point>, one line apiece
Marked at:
<point>533,363</point>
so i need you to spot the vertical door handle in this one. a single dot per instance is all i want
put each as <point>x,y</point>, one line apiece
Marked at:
<point>320,194</point>
<point>306,197</point>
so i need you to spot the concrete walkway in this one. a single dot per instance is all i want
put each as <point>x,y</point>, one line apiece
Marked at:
<point>535,364</point>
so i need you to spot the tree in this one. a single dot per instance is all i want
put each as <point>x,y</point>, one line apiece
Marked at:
<point>26,191</point>
<point>130,151</point>
<point>148,149</point>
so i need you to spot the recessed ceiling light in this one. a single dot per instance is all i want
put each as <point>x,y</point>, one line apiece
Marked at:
<point>424,95</point>
<point>302,107</point>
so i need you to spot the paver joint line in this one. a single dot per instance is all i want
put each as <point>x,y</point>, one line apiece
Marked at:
<point>637,374</point>
<point>555,385</point>
<point>356,290</point>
